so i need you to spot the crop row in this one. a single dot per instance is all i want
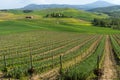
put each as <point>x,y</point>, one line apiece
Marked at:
<point>116,46</point>
<point>17,58</point>
<point>83,69</point>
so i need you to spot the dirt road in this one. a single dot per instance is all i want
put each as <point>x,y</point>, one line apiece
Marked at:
<point>109,71</point>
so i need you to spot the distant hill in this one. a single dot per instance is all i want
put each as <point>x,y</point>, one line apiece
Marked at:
<point>83,7</point>
<point>34,6</point>
<point>113,11</point>
<point>98,4</point>
<point>107,9</point>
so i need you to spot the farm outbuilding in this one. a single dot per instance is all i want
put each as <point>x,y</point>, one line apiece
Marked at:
<point>29,17</point>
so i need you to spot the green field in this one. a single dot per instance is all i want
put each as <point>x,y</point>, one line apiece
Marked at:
<point>66,25</point>
<point>14,21</point>
<point>39,42</point>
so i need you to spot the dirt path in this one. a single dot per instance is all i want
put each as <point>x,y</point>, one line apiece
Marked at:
<point>1,74</point>
<point>109,71</point>
<point>50,74</point>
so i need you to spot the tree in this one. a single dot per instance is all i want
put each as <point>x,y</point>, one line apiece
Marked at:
<point>109,22</point>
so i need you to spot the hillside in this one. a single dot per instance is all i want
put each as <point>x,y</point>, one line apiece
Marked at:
<point>113,11</point>
<point>98,4</point>
<point>59,42</point>
<point>74,13</point>
<point>107,9</point>
<point>80,21</point>
<point>83,7</point>
<point>48,24</point>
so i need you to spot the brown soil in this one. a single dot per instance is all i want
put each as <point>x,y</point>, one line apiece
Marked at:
<point>109,72</point>
<point>1,74</point>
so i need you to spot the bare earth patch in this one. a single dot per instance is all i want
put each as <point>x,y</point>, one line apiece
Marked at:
<point>109,71</point>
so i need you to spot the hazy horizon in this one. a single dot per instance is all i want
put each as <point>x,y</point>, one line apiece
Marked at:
<point>10,4</point>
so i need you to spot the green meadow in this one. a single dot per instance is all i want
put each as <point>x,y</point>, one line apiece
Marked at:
<point>14,21</point>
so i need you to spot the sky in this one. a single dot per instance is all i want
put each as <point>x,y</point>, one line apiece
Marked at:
<point>9,4</point>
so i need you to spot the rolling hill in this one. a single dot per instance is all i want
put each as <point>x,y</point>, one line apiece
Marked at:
<point>61,25</point>
<point>58,44</point>
<point>80,22</point>
<point>74,13</point>
<point>83,7</point>
<point>79,14</point>
<point>107,9</point>
<point>113,11</point>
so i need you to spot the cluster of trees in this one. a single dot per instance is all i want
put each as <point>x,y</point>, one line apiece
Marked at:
<point>56,15</point>
<point>5,10</point>
<point>27,11</point>
<point>109,22</point>
<point>114,14</point>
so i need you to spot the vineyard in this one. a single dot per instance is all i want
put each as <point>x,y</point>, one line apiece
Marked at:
<point>50,55</point>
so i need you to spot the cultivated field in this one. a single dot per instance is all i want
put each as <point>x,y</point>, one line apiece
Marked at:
<point>41,50</point>
<point>57,48</point>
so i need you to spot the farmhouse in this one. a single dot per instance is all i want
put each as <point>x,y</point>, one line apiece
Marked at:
<point>29,17</point>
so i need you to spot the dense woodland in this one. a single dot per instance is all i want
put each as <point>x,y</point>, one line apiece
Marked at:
<point>109,22</point>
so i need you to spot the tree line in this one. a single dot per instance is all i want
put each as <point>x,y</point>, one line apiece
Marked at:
<point>108,22</point>
<point>27,11</point>
<point>56,15</point>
